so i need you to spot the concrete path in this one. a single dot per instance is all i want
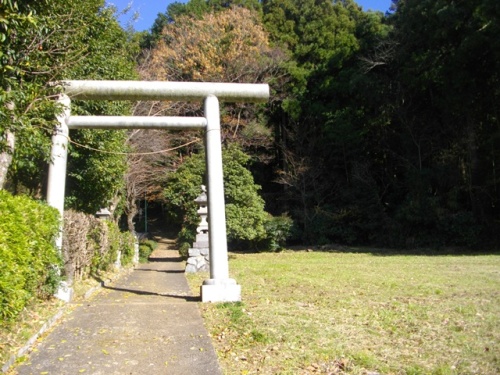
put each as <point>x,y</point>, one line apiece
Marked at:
<point>145,323</point>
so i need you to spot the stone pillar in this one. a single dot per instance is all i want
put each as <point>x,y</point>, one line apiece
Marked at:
<point>199,255</point>
<point>135,259</point>
<point>219,288</point>
<point>56,184</point>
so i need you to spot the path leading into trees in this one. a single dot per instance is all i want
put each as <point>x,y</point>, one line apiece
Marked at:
<point>144,323</point>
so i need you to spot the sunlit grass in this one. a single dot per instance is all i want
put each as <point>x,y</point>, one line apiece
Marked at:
<point>353,313</point>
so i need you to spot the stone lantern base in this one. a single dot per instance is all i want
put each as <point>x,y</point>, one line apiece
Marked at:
<point>199,255</point>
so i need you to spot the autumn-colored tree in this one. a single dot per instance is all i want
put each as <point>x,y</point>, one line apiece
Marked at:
<point>225,46</point>
<point>221,45</point>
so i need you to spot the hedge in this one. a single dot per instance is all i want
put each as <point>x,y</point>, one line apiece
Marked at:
<point>30,263</point>
<point>29,259</point>
<point>91,245</point>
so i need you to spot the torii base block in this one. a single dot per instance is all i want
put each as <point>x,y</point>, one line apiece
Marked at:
<point>216,290</point>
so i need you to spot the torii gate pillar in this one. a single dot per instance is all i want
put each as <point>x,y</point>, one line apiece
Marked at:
<point>219,287</point>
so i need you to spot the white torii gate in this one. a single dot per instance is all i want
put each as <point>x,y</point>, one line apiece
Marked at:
<point>219,288</point>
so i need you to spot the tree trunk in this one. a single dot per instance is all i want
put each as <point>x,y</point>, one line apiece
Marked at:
<point>10,140</point>
<point>6,157</point>
<point>131,212</point>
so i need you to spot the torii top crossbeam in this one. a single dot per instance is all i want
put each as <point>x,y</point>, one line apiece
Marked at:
<point>160,90</point>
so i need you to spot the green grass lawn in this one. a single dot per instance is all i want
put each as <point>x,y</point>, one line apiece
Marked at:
<point>359,313</point>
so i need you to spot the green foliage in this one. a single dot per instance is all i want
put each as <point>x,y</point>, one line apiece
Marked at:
<point>278,230</point>
<point>447,73</point>
<point>389,125</point>
<point>106,240</point>
<point>386,127</point>
<point>182,189</point>
<point>96,177</point>
<point>127,248</point>
<point>23,68</point>
<point>197,8</point>
<point>245,215</point>
<point>185,239</point>
<point>146,247</point>
<point>28,256</point>
<point>315,32</point>
<point>184,249</point>
<point>114,241</point>
<point>48,43</point>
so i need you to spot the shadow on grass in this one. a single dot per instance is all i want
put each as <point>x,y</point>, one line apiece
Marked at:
<point>448,251</point>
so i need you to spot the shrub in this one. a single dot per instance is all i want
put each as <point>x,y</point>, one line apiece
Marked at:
<point>29,258</point>
<point>245,214</point>
<point>127,241</point>
<point>460,229</point>
<point>185,239</point>
<point>146,247</point>
<point>184,249</point>
<point>278,229</point>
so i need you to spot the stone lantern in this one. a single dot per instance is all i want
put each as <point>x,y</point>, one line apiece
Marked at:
<point>202,202</point>
<point>103,214</point>
<point>199,260</point>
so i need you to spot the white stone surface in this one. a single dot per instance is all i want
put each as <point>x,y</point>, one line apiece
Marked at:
<point>135,259</point>
<point>118,261</point>
<point>221,293</point>
<point>65,292</point>
<point>219,265</point>
<point>56,183</point>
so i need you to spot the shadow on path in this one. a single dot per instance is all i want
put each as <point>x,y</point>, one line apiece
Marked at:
<point>153,270</point>
<point>146,322</point>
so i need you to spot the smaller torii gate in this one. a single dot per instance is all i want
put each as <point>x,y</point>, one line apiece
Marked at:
<point>219,288</point>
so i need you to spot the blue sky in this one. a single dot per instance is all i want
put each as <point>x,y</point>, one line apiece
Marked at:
<point>148,9</point>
